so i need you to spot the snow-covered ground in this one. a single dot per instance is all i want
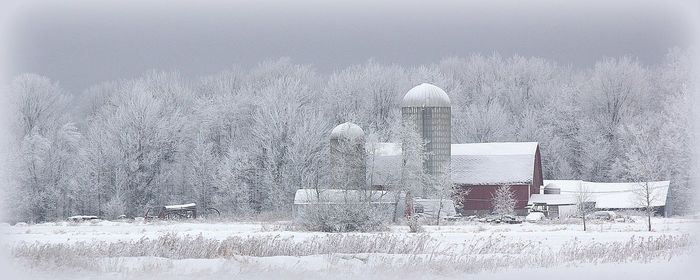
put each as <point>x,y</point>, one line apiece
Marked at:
<point>456,250</point>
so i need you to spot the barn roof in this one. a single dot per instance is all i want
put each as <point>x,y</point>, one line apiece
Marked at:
<point>611,195</point>
<point>336,196</point>
<point>472,164</point>
<point>493,163</point>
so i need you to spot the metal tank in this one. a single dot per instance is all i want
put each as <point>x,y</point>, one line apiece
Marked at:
<point>427,107</point>
<point>348,165</point>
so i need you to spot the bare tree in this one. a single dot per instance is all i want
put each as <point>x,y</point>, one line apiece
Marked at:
<point>584,203</point>
<point>642,162</point>
<point>446,189</point>
<point>413,173</point>
<point>646,198</point>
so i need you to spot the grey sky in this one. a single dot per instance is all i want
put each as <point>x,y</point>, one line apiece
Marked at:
<point>83,45</point>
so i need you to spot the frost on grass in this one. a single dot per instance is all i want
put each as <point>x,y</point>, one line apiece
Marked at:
<point>383,249</point>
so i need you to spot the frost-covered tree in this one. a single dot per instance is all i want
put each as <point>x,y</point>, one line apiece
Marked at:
<point>367,94</point>
<point>414,177</point>
<point>503,200</point>
<point>142,136</point>
<point>643,162</point>
<point>445,189</point>
<point>46,181</point>
<point>201,172</point>
<point>232,190</point>
<point>40,105</point>
<point>262,132</point>
<point>483,123</point>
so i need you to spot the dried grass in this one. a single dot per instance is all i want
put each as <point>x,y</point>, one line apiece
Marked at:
<point>383,251</point>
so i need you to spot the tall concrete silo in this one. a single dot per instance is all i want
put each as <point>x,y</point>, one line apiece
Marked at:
<point>348,165</point>
<point>427,108</point>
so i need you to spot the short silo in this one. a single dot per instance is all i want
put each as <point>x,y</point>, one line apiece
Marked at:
<point>348,165</point>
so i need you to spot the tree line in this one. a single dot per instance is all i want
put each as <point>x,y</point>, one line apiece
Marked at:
<point>245,139</point>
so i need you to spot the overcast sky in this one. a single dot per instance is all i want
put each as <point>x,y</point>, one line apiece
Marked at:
<point>81,45</point>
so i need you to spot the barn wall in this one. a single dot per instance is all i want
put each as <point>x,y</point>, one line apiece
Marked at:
<point>479,200</point>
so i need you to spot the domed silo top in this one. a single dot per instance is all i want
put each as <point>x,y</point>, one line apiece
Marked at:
<point>426,95</point>
<point>347,130</point>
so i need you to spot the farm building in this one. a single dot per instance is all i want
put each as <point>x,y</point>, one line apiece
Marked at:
<point>427,108</point>
<point>554,205</point>
<point>480,167</point>
<point>347,151</point>
<point>562,195</point>
<point>383,203</point>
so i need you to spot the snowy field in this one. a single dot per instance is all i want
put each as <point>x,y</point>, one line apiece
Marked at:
<point>173,250</point>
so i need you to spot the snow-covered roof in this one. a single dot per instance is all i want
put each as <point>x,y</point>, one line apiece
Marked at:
<point>493,163</point>
<point>563,184</point>
<point>336,196</point>
<point>426,95</point>
<point>553,199</point>
<point>472,164</point>
<point>347,130</point>
<point>181,206</point>
<point>612,195</point>
<point>495,149</point>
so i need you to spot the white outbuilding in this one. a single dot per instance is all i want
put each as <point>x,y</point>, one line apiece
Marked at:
<point>604,196</point>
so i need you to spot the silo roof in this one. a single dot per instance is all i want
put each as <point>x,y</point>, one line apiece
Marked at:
<point>347,130</point>
<point>426,95</point>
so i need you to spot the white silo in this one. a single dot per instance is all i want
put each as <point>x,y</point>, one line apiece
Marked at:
<point>348,165</point>
<point>427,108</point>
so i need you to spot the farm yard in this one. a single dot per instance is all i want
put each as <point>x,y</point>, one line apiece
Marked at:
<point>351,141</point>
<point>199,249</point>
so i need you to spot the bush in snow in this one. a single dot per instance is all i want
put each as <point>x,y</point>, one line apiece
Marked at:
<point>342,218</point>
<point>414,225</point>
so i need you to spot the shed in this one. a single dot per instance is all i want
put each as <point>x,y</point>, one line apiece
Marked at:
<point>384,202</point>
<point>608,196</point>
<point>553,205</point>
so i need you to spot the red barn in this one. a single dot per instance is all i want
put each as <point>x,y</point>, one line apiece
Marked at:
<point>482,167</point>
